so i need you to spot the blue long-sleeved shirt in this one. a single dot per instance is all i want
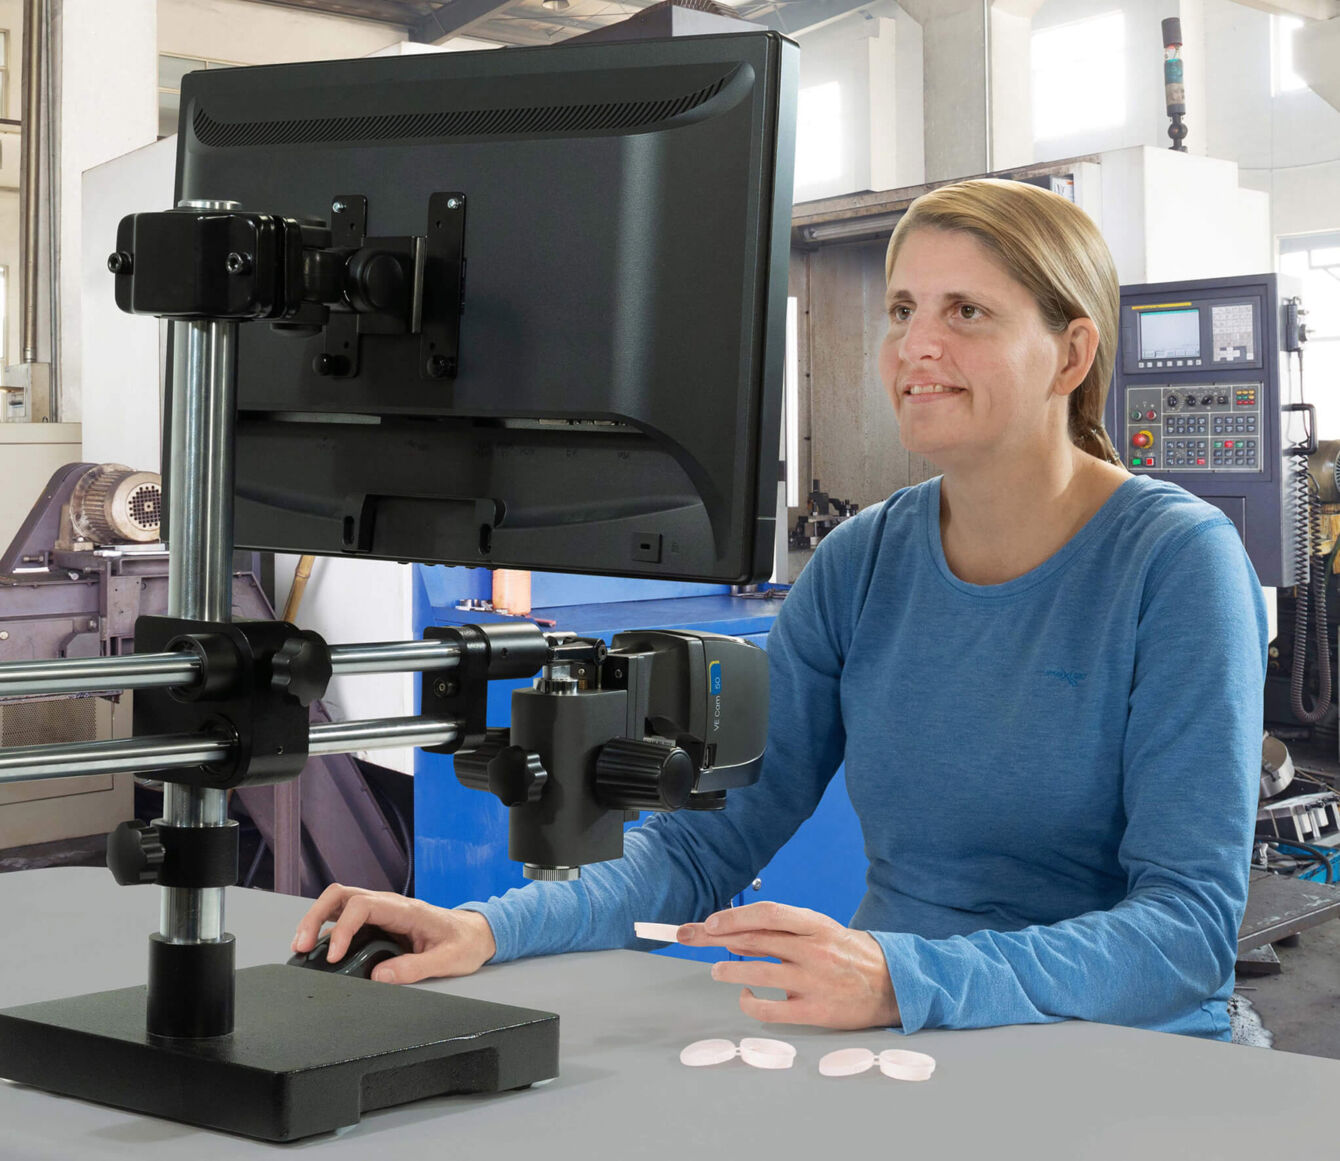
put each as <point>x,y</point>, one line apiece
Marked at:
<point>1056,777</point>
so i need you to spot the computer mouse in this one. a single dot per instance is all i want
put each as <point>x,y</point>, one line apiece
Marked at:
<point>368,947</point>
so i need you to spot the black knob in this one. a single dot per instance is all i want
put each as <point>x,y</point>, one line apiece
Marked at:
<point>330,365</point>
<point>1221,400</point>
<point>300,668</point>
<point>642,775</point>
<point>515,775</point>
<point>1207,400</point>
<point>120,263</point>
<point>134,853</point>
<point>1173,401</point>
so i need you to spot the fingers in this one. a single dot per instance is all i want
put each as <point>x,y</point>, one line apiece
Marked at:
<point>382,908</point>
<point>439,963</point>
<point>328,906</point>
<point>788,1011</point>
<point>756,974</point>
<point>765,917</point>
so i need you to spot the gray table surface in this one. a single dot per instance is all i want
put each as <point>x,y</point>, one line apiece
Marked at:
<point>1072,1090</point>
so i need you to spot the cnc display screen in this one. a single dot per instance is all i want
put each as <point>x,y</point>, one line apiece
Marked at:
<point>1170,334</point>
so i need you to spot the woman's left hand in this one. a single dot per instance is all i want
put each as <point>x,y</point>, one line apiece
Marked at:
<point>833,977</point>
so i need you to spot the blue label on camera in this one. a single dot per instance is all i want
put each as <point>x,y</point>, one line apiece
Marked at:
<point>714,677</point>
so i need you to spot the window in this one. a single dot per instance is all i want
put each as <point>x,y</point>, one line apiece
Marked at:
<point>1310,267</point>
<point>819,134</point>
<point>4,73</point>
<point>171,69</point>
<point>1283,30</point>
<point>1079,76</point>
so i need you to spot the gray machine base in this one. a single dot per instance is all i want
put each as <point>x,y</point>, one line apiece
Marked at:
<point>309,1053</point>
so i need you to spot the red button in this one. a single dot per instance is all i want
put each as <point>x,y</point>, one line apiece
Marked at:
<point>1228,443</point>
<point>1151,414</point>
<point>1149,463</point>
<point>1200,461</point>
<point>1142,439</point>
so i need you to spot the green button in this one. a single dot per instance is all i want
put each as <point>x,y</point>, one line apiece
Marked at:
<point>1136,461</point>
<point>1218,443</point>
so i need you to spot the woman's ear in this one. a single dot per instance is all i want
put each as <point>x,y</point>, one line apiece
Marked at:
<point>1078,345</point>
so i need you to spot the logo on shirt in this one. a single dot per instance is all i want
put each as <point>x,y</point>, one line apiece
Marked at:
<point>1069,676</point>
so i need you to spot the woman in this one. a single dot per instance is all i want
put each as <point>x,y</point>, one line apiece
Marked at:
<point>1044,676</point>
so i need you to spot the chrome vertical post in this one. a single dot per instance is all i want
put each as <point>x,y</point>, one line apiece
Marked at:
<point>200,566</point>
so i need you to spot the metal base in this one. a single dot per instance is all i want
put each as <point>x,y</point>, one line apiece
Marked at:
<point>310,1052</point>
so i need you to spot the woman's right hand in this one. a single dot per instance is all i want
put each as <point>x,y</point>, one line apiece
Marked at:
<point>444,943</point>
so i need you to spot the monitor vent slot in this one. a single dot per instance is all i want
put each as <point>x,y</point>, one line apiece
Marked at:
<point>568,119</point>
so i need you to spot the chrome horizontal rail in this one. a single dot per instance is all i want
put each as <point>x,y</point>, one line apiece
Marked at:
<point>377,734</point>
<point>183,751</point>
<point>118,756</point>
<point>169,670</point>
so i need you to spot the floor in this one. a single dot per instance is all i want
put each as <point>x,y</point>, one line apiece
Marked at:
<point>1300,1007</point>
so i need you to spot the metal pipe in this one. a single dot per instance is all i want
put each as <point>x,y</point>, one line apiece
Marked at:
<point>30,151</point>
<point>117,756</point>
<point>172,670</point>
<point>343,737</point>
<point>393,657</point>
<point>182,751</point>
<point>200,572</point>
<point>96,674</point>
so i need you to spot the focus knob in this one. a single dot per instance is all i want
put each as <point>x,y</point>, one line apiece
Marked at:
<point>515,775</point>
<point>642,775</point>
<point>134,853</point>
<point>300,668</point>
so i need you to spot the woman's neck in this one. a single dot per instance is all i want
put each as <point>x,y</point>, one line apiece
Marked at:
<point>999,520</point>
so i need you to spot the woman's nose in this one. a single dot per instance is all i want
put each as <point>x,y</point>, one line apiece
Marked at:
<point>922,339</point>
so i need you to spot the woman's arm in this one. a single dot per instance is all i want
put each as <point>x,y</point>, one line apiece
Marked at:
<point>1191,773</point>
<point>683,866</point>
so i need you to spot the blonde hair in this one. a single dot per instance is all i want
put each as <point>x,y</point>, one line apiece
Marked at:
<point>1053,249</point>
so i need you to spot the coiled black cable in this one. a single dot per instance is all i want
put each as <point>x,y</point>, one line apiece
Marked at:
<point>1311,568</point>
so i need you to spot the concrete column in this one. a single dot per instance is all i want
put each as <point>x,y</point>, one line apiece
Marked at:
<point>1316,58</point>
<point>977,84</point>
<point>107,105</point>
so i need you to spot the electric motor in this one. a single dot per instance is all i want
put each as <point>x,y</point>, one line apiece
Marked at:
<point>114,504</point>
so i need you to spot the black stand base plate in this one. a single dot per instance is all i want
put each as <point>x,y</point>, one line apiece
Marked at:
<point>309,1052</point>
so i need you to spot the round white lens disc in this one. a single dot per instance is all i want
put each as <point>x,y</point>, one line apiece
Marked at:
<point>903,1065</point>
<point>846,1062</point>
<point>763,1053</point>
<point>702,1052</point>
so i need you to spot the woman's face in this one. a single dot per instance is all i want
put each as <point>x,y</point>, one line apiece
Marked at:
<point>967,360</point>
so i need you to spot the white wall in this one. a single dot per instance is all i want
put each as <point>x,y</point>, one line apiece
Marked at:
<point>246,33</point>
<point>122,363</point>
<point>874,55</point>
<point>108,106</point>
<point>1146,111</point>
<point>1287,144</point>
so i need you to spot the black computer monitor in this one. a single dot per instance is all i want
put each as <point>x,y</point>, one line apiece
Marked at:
<point>616,396</point>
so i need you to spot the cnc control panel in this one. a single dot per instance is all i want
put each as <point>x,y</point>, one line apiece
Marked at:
<point>1194,427</point>
<point>1195,401</point>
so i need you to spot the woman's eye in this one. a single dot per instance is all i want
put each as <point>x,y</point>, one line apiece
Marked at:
<point>968,312</point>
<point>900,313</point>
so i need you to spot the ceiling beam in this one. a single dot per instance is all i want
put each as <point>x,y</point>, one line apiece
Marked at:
<point>1308,9</point>
<point>803,15</point>
<point>397,12</point>
<point>454,19</point>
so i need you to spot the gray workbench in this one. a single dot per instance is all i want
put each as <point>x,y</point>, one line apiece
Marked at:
<point>1073,1091</point>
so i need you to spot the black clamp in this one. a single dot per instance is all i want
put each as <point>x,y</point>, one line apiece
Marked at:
<point>173,856</point>
<point>256,681</point>
<point>460,693</point>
